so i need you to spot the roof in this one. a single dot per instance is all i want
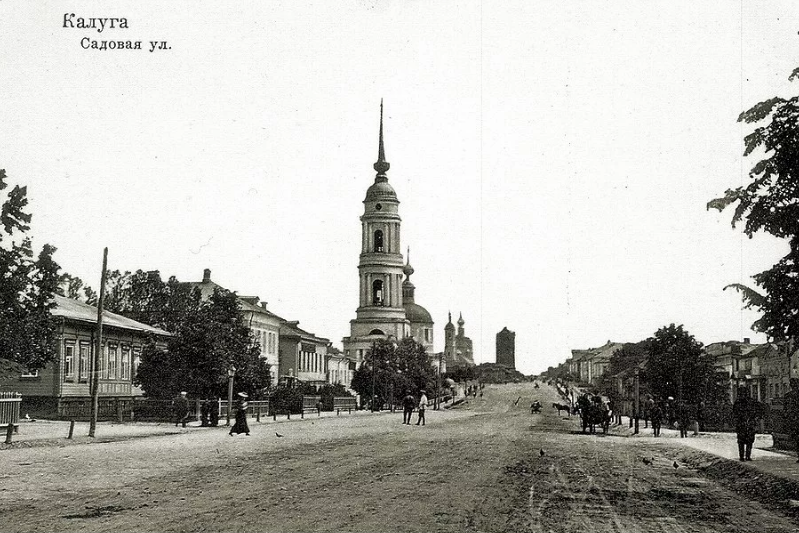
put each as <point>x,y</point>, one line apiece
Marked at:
<point>10,369</point>
<point>602,353</point>
<point>417,314</point>
<point>71,309</point>
<point>291,329</point>
<point>250,308</point>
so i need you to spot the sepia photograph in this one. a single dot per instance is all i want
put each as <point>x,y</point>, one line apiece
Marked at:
<point>399,266</point>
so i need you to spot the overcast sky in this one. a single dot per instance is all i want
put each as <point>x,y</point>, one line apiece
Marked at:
<point>553,160</point>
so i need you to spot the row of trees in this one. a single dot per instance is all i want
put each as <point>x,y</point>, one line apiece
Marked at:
<point>389,369</point>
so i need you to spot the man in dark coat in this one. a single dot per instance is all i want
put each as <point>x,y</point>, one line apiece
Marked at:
<point>408,403</point>
<point>656,416</point>
<point>745,412</point>
<point>790,413</point>
<point>181,406</point>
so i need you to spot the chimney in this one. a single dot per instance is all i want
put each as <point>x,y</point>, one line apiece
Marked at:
<point>746,340</point>
<point>263,305</point>
<point>206,275</point>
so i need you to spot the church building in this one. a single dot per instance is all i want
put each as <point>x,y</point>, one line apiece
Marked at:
<point>386,307</point>
<point>458,349</point>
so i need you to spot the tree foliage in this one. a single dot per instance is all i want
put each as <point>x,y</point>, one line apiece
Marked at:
<point>27,286</point>
<point>211,339</point>
<point>770,203</point>
<point>677,366</point>
<point>393,369</point>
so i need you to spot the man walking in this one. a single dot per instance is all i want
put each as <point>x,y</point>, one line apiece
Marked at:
<point>745,412</point>
<point>181,404</point>
<point>422,407</point>
<point>408,403</point>
<point>655,415</point>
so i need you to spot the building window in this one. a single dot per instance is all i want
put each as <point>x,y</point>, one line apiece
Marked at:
<point>69,362</point>
<point>83,362</point>
<point>377,292</point>
<point>136,360</point>
<point>427,334</point>
<point>378,241</point>
<point>112,362</point>
<point>124,365</point>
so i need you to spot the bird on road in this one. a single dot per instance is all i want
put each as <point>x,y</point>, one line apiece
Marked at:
<point>648,462</point>
<point>278,434</point>
<point>517,400</point>
<point>675,465</point>
<point>541,452</point>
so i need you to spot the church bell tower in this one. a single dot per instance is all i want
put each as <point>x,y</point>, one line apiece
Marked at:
<point>380,313</point>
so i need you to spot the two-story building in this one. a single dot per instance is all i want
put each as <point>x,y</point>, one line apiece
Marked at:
<point>303,355</point>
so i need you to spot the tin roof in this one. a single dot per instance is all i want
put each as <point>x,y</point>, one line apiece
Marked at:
<point>74,310</point>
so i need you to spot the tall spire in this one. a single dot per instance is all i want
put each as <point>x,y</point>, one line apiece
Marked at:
<point>381,166</point>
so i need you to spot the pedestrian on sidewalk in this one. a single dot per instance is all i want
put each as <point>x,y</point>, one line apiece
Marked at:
<point>422,407</point>
<point>181,406</point>
<point>790,412</point>
<point>683,418</point>
<point>240,426</point>
<point>745,412</point>
<point>655,415</point>
<point>408,403</point>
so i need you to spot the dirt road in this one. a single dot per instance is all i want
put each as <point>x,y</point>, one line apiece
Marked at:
<point>476,468</point>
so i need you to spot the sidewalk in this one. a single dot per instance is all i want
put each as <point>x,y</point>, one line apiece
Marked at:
<point>777,464</point>
<point>55,432</point>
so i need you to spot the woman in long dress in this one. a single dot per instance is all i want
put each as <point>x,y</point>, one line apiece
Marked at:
<point>241,416</point>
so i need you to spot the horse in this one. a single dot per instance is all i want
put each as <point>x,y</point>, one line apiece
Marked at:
<point>594,413</point>
<point>561,407</point>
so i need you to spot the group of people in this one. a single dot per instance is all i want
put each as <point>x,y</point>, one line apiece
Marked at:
<point>209,415</point>
<point>409,403</point>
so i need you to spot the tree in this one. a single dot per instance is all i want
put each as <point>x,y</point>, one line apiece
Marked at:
<point>677,366</point>
<point>770,203</point>
<point>27,288</point>
<point>391,369</point>
<point>210,340</point>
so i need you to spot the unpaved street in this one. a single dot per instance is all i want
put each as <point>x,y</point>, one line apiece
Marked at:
<point>476,468</point>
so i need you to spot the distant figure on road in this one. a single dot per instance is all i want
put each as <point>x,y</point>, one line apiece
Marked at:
<point>683,418</point>
<point>181,406</point>
<point>408,403</point>
<point>241,416</point>
<point>656,416</point>
<point>205,412</point>
<point>745,412</point>
<point>213,414</point>
<point>422,406</point>
<point>790,412</point>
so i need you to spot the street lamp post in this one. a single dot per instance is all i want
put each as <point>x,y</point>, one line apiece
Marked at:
<point>374,376</point>
<point>438,382</point>
<point>231,373</point>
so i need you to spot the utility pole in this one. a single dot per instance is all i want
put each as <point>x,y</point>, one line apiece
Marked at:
<point>98,350</point>
<point>637,399</point>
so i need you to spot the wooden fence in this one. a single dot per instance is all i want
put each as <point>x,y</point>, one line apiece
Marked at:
<point>9,408</point>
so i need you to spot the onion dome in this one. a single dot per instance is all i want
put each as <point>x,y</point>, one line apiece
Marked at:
<point>461,321</point>
<point>449,325</point>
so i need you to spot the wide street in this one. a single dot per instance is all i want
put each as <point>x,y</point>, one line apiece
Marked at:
<point>478,467</point>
